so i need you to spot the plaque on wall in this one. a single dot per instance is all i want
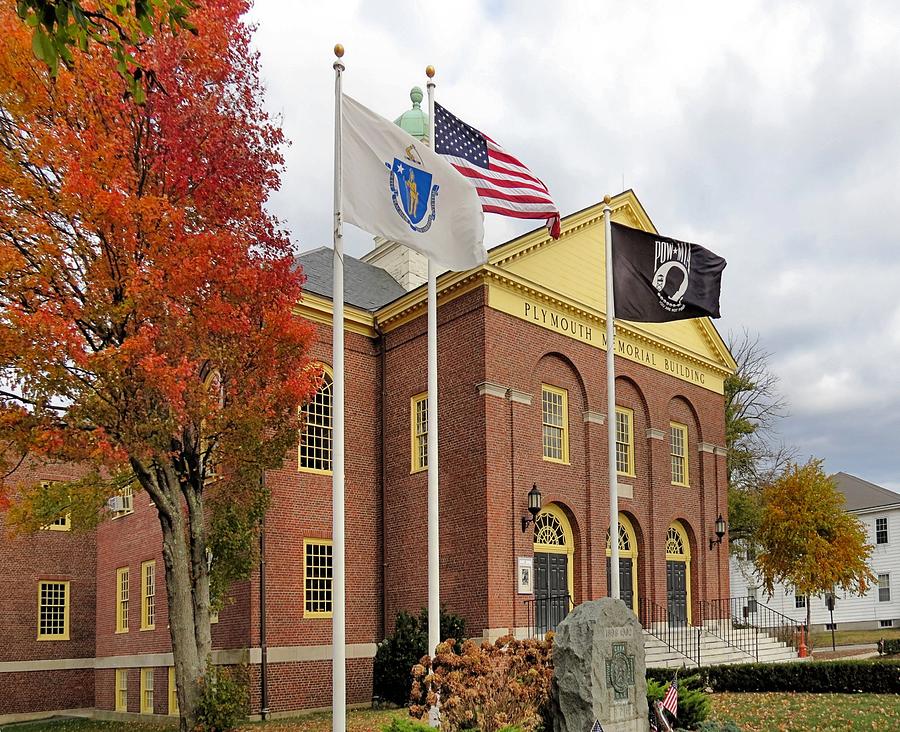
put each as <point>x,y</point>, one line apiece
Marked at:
<point>525,573</point>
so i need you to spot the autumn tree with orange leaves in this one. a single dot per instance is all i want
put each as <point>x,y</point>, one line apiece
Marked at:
<point>146,300</point>
<point>807,540</point>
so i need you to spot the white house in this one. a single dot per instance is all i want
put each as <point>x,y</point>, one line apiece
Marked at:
<point>879,510</point>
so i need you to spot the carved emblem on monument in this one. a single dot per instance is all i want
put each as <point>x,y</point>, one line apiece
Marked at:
<point>620,671</point>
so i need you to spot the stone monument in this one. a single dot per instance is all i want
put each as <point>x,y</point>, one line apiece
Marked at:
<point>598,669</point>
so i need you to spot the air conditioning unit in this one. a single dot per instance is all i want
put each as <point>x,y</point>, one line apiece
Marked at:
<point>116,503</point>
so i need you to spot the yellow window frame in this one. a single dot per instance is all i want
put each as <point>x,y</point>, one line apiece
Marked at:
<point>121,690</point>
<point>123,591</point>
<point>64,636</point>
<point>682,428</point>
<point>306,578</point>
<point>418,433</point>
<point>148,599</point>
<point>564,427</point>
<point>63,523</point>
<point>629,416</point>
<point>173,693</point>
<point>326,371</point>
<point>147,700</point>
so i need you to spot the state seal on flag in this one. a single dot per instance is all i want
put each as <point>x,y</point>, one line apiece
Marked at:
<point>413,191</point>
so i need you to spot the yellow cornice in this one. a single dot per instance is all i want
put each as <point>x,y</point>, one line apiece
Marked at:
<point>450,285</point>
<point>521,286</point>
<point>319,310</point>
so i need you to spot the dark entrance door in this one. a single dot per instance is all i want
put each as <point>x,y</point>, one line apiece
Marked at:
<point>551,590</point>
<point>676,592</point>
<point>626,580</point>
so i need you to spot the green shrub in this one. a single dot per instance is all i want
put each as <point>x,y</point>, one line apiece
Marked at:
<point>403,649</point>
<point>711,725</point>
<point>224,698</point>
<point>404,724</point>
<point>822,677</point>
<point>693,703</point>
<point>889,646</point>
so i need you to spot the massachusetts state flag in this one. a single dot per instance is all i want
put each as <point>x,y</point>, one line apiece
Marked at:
<point>505,185</point>
<point>397,187</point>
<point>670,700</point>
<point>658,279</point>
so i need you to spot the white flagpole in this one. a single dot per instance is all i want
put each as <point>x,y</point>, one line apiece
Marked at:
<point>338,641</point>
<point>614,589</point>
<point>434,547</point>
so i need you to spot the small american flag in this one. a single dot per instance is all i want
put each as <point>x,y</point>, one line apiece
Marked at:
<point>670,700</point>
<point>505,185</point>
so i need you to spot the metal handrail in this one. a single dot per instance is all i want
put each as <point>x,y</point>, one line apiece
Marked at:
<point>678,635</point>
<point>739,622</point>
<point>545,613</point>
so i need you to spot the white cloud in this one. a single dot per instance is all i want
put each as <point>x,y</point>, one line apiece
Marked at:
<point>768,131</point>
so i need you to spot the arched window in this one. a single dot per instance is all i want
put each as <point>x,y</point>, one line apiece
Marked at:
<point>675,543</point>
<point>548,530</point>
<point>316,443</point>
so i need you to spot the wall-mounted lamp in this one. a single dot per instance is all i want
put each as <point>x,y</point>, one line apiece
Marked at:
<point>534,506</point>
<point>720,532</point>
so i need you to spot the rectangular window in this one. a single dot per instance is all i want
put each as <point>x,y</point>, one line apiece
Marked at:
<point>881,535</point>
<point>418,413</point>
<point>63,523</point>
<point>148,595</point>
<point>146,691</point>
<point>884,588</point>
<point>122,600</point>
<point>173,694</point>
<point>121,690</point>
<point>678,439</point>
<point>555,418</point>
<point>830,626</point>
<point>123,503</point>
<point>53,611</point>
<point>316,444</point>
<point>885,623</point>
<point>317,572</point>
<point>799,601</point>
<point>624,441</point>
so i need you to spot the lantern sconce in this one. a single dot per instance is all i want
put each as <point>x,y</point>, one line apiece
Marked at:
<point>720,532</point>
<point>534,506</point>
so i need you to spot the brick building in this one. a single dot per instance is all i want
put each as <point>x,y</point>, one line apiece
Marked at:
<point>522,404</point>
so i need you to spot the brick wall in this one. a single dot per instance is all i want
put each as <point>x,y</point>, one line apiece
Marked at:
<point>25,560</point>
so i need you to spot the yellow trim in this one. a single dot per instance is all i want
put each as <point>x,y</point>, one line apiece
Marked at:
<point>145,596</point>
<point>320,310</point>
<point>686,558</point>
<point>687,467</point>
<point>326,369</point>
<point>64,636</point>
<point>568,548</point>
<point>415,466</point>
<point>147,673</point>
<point>121,685</point>
<point>625,411</point>
<point>565,422</point>
<point>307,613</point>
<point>450,286</point>
<point>122,617</point>
<point>631,554</point>
<point>173,693</point>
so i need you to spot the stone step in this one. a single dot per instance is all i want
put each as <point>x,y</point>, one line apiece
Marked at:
<point>715,651</point>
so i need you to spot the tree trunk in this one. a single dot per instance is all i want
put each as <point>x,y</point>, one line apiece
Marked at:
<point>180,511</point>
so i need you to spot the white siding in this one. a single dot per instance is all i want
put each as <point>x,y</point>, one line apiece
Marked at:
<point>848,608</point>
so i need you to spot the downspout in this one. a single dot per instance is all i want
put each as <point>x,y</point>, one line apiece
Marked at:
<point>264,654</point>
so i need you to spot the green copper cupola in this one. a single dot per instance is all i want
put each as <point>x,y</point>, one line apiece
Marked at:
<point>415,120</point>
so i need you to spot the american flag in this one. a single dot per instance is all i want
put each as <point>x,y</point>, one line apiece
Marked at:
<point>505,185</point>
<point>670,700</point>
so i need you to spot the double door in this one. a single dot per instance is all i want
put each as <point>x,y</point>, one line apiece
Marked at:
<point>676,592</point>
<point>626,580</point>
<point>551,590</point>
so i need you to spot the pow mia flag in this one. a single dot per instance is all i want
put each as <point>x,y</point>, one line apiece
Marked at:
<point>657,279</point>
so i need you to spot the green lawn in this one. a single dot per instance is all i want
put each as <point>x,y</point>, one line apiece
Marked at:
<point>852,637</point>
<point>789,712</point>
<point>751,712</point>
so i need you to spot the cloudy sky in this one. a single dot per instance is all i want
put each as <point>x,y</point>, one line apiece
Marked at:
<point>767,131</point>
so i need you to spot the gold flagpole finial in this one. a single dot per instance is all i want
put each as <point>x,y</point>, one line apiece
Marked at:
<point>338,50</point>
<point>607,199</point>
<point>429,71</point>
